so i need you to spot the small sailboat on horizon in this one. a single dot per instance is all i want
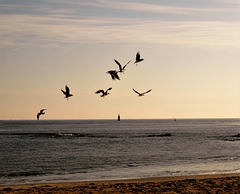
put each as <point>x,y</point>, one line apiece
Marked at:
<point>119,117</point>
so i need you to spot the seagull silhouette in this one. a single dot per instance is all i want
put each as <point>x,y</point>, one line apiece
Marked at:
<point>114,74</point>
<point>142,94</point>
<point>103,93</point>
<point>41,113</point>
<point>67,92</point>
<point>138,58</point>
<point>121,68</point>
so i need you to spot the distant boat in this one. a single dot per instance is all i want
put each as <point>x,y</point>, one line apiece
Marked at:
<point>174,120</point>
<point>119,117</point>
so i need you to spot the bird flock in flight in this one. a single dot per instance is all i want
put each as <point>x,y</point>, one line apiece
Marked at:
<point>114,76</point>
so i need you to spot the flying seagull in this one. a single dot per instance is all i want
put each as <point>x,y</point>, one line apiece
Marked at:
<point>114,74</point>
<point>67,92</point>
<point>138,58</point>
<point>41,113</point>
<point>121,68</point>
<point>142,94</point>
<point>103,93</point>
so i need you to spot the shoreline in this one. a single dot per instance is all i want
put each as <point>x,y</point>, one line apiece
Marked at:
<point>220,183</point>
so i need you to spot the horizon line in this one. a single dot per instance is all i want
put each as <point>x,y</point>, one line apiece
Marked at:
<point>181,118</point>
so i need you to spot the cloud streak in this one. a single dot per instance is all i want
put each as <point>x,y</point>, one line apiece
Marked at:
<point>155,8</point>
<point>147,7</point>
<point>22,31</point>
<point>123,6</point>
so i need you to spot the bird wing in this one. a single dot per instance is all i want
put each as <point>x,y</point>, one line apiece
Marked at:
<point>67,89</point>
<point>116,75</point>
<point>138,56</point>
<point>147,91</point>
<point>126,64</point>
<point>38,116</point>
<point>99,91</point>
<point>120,66</point>
<point>63,92</point>
<point>41,111</point>
<point>136,91</point>
<point>111,73</point>
<point>108,89</point>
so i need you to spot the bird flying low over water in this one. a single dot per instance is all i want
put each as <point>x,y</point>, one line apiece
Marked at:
<point>103,93</point>
<point>138,58</point>
<point>41,113</point>
<point>67,92</point>
<point>121,68</point>
<point>142,94</point>
<point>114,74</point>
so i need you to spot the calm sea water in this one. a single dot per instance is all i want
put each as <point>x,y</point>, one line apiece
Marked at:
<point>76,150</point>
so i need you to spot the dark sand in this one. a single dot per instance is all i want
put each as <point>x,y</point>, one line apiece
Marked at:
<point>220,183</point>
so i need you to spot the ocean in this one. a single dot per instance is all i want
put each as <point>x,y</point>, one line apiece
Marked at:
<point>48,151</point>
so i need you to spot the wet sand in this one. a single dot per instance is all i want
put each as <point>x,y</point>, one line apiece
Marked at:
<point>219,183</point>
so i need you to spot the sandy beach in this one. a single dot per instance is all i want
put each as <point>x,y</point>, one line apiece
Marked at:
<point>217,183</point>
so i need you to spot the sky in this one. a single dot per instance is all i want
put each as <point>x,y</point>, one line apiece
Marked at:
<point>191,52</point>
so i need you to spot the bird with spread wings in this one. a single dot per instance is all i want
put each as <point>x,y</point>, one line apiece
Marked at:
<point>142,94</point>
<point>104,93</point>
<point>41,113</point>
<point>67,92</point>
<point>121,68</point>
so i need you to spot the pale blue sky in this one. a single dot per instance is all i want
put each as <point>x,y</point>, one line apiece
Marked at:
<point>191,51</point>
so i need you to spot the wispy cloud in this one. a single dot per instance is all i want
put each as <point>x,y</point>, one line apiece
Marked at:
<point>21,31</point>
<point>61,26</point>
<point>128,5</point>
<point>148,7</point>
